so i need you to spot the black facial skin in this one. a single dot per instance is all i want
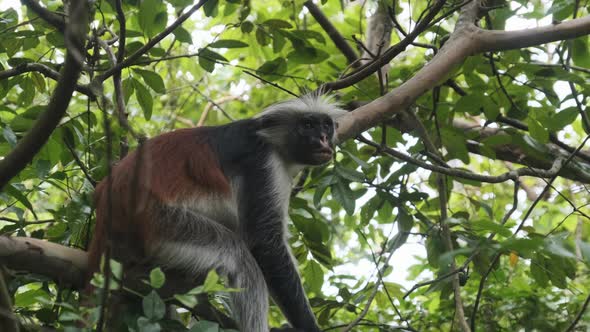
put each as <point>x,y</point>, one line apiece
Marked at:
<point>311,141</point>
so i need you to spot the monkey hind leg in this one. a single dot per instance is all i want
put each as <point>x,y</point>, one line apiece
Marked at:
<point>213,246</point>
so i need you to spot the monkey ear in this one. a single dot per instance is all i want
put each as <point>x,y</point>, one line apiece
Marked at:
<point>266,121</point>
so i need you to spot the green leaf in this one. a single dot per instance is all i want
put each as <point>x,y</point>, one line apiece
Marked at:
<point>492,227</point>
<point>563,118</point>
<point>349,174</point>
<point>311,229</point>
<point>314,276</point>
<point>152,17</point>
<point>522,245</point>
<point>556,273</point>
<point>157,278</point>
<point>454,141</point>
<point>211,8</point>
<point>278,42</point>
<point>9,136</point>
<point>307,55</point>
<point>211,281</point>
<point>469,104</point>
<point>207,59</point>
<point>560,9</point>
<point>38,81</point>
<point>144,98</point>
<point>343,195</point>
<point>187,299</point>
<point>557,248</point>
<point>206,64</point>
<point>364,165</point>
<point>128,89</point>
<point>42,167</point>
<point>585,249</point>
<point>205,326</point>
<point>369,208</point>
<point>180,3</point>
<point>116,269</point>
<point>496,140</point>
<point>25,98</point>
<point>581,52</point>
<point>272,70</point>
<point>322,254</point>
<point>538,270</point>
<point>152,79</point>
<point>247,27</point>
<point>30,297</point>
<point>537,131</point>
<point>261,37</point>
<point>309,34</point>
<point>145,325</point>
<point>15,192</point>
<point>277,24</point>
<point>227,43</point>
<point>153,306</point>
<point>182,35</point>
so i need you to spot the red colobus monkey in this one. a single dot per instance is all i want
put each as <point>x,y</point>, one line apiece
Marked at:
<point>217,198</point>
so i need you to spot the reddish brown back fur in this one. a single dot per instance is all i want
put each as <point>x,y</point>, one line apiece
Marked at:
<point>172,167</point>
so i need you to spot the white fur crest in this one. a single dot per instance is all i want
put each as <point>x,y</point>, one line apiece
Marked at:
<point>311,102</point>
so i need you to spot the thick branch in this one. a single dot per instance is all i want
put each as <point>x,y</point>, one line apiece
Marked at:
<point>48,16</point>
<point>466,40</point>
<point>63,264</point>
<point>496,40</point>
<point>38,135</point>
<point>43,69</point>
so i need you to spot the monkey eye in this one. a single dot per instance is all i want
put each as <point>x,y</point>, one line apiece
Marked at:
<point>307,124</point>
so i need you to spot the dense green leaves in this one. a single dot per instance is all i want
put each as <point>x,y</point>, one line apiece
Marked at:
<point>152,16</point>
<point>494,113</point>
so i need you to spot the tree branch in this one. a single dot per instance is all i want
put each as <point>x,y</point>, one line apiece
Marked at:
<point>64,264</point>
<point>387,56</point>
<point>332,32</point>
<point>466,40</point>
<point>579,315</point>
<point>157,38</point>
<point>497,40</point>
<point>48,16</point>
<point>38,135</point>
<point>8,321</point>
<point>511,175</point>
<point>46,71</point>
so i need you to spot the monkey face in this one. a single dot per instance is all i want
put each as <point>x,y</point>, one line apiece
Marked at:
<point>312,139</point>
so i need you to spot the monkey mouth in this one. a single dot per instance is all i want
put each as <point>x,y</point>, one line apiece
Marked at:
<point>323,155</point>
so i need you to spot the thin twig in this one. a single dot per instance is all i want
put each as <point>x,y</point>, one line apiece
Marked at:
<point>559,163</point>
<point>271,83</point>
<point>48,16</point>
<point>152,42</point>
<point>511,175</point>
<point>579,315</point>
<point>387,56</point>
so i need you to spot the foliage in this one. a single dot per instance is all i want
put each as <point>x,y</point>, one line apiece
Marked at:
<point>227,63</point>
